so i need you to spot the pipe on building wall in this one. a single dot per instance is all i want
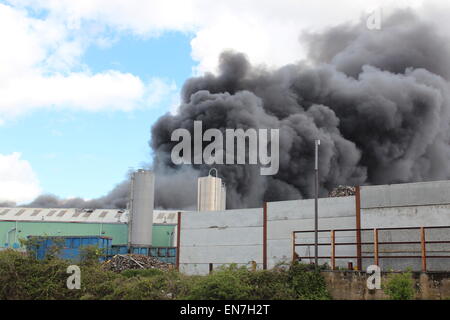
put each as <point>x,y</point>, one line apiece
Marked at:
<point>177,263</point>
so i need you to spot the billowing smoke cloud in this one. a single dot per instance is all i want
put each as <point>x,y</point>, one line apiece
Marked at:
<point>115,199</point>
<point>378,101</point>
<point>168,189</point>
<point>4,204</point>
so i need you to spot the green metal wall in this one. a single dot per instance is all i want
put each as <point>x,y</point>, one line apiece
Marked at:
<point>118,232</point>
<point>163,235</point>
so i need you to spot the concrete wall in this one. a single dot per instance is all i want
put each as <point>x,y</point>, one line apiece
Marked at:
<point>407,205</point>
<point>287,216</point>
<point>221,238</point>
<point>236,236</point>
<point>406,194</point>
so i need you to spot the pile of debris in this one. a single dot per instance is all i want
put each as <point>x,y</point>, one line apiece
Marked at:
<point>121,262</point>
<point>342,191</point>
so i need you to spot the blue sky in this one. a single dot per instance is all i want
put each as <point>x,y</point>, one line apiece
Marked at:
<point>85,154</point>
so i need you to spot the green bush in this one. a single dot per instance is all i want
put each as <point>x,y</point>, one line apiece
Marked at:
<point>225,283</point>
<point>97,283</point>
<point>298,282</point>
<point>91,254</point>
<point>141,273</point>
<point>167,285</point>
<point>270,285</point>
<point>307,282</point>
<point>400,286</point>
<point>22,276</point>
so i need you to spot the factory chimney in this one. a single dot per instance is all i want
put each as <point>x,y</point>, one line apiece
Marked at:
<point>141,209</point>
<point>211,194</point>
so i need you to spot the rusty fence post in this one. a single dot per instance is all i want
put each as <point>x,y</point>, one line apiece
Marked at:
<point>333,250</point>
<point>424,250</point>
<point>375,246</point>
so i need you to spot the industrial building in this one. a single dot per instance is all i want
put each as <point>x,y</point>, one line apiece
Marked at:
<point>19,223</point>
<point>138,227</point>
<point>394,226</point>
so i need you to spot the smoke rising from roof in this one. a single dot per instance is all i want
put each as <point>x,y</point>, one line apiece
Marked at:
<point>378,101</point>
<point>117,198</point>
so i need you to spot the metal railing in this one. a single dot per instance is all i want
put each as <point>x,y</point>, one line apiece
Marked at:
<point>376,243</point>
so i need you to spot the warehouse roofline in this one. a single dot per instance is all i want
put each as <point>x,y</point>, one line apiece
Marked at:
<point>80,215</point>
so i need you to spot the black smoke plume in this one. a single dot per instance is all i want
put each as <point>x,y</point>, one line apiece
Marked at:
<point>377,99</point>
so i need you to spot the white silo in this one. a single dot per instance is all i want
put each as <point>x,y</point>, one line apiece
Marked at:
<point>211,194</point>
<point>141,208</point>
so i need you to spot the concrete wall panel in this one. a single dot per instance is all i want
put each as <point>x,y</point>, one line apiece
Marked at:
<point>218,237</point>
<point>304,209</point>
<point>288,216</point>
<point>225,254</point>
<point>406,194</point>
<point>222,219</point>
<point>407,216</point>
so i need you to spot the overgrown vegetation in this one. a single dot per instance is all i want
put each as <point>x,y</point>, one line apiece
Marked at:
<point>400,286</point>
<point>22,276</point>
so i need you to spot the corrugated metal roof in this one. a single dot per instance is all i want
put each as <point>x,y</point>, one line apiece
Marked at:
<point>81,215</point>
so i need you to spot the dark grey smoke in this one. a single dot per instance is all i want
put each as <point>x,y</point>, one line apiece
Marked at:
<point>175,188</point>
<point>378,100</point>
<point>6,204</point>
<point>168,189</point>
<point>115,199</point>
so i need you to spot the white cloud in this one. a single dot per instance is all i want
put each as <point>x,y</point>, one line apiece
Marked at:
<point>266,30</point>
<point>159,90</point>
<point>18,182</point>
<point>41,58</point>
<point>37,60</point>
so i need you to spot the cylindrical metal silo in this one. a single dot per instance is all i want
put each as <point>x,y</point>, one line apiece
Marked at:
<point>142,199</point>
<point>211,194</point>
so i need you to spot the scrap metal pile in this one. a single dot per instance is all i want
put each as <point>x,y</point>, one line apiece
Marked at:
<point>342,191</point>
<point>121,262</point>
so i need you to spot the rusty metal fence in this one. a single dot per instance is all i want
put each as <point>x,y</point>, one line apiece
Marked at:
<point>424,237</point>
